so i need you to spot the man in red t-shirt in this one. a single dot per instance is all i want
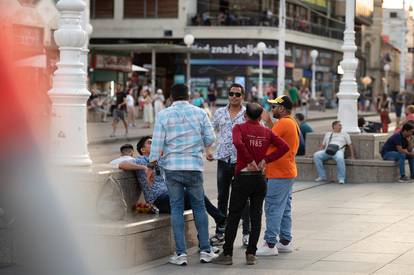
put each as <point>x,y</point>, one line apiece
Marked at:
<point>251,140</point>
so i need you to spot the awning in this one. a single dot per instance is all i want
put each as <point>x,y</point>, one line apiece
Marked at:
<point>147,48</point>
<point>136,68</point>
<point>37,61</point>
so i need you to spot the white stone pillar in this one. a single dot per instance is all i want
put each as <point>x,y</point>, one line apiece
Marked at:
<point>281,49</point>
<point>261,47</point>
<point>87,27</point>
<point>348,89</point>
<point>69,93</point>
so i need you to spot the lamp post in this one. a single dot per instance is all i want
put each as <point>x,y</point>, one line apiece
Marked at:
<point>314,55</point>
<point>261,47</point>
<point>348,94</point>
<point>69,92</point>
<point>403,55</point>
<point>281,48</point>
<point>386,70</point>
<point>189,40</point>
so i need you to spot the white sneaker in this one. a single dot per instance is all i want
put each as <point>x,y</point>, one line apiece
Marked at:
<point>284,248</point>
<point>319,179</point>
<point>265,250</point>
<point>215,249</point>
<point>178,259</point>
<point>245,240</point>
<point>207,257</point>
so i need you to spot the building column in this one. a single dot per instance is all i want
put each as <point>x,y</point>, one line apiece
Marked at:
<point>68,146</point>
<point>348,89</point>
<point>281,49</point>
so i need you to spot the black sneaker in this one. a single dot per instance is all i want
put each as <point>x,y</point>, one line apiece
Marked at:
<point>404,179</point>
<point>217,240</point>
<point>223,259</point>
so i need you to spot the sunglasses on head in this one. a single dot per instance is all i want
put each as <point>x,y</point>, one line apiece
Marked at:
<point>235,94</point>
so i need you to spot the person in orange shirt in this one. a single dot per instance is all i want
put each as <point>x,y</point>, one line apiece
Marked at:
<point>280,176</point>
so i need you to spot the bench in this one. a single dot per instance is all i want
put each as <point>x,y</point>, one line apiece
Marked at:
<point>357,170</point>
<point>136,239</point>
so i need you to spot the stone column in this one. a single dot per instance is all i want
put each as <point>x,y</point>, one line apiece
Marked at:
<point>281,49</point>
<point>348,94</point>
<point>69,93</point>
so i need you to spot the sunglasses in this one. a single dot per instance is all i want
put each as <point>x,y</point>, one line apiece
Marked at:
<point>235,94</point>
<point>276,106</point>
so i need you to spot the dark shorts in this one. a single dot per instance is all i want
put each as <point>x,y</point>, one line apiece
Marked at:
<point>119,115</point>
<point>398,110</point>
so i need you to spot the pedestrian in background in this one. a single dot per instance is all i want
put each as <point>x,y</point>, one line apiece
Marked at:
<point>305,128</point>
<point>224,120</point>
<point>280,176</point>
<point>131,108</point>
<point>119,112</point>
<point>148,110</point>
<point>158,102</point>
<point>181,133</point>
<point>384,110</point>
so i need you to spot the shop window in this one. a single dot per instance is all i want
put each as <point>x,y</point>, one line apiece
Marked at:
<point>150,8</point>
<point>393,15</point>
<point>102,9</point>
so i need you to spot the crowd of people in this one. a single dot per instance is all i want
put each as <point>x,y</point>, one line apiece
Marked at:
<point>255,165</point>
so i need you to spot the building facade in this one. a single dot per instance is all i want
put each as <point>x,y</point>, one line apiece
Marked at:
<point>229,32</point>
<point>395,21</point>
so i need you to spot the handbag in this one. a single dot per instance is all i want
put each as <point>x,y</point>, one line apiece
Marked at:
<point>331,149</point>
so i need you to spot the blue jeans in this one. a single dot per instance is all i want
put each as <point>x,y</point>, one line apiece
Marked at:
<point>192,181</point>
<point>320,156</point>
<point>278,210</point>
<point>397,156</point>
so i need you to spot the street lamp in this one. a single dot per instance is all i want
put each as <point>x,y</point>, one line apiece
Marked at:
<point>261,47</point>
<point>403,55</point>
<point>189,40</point>
<point>314,55</point>
<point>348,89</point>
<point>281,48</point>
<point>386,70</point>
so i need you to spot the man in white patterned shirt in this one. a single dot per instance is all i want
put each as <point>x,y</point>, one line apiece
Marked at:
<point>226,155</point>
<point>181,133</point>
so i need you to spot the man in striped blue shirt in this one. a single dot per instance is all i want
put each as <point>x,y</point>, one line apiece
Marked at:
<point>181,133</point>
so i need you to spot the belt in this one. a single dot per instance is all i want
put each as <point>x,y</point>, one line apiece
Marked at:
<point>251,173</point>
<point>227,160</point>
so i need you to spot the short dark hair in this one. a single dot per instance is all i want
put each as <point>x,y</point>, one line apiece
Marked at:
<point>254,111</point>
<point>237,85</point>
<point>179,92</point>
<point>361,122</point>
<point>141,143</point>
<point>300,116</point>
<point>335,122</point>
<point>408,126</point>
<point>126,148</point>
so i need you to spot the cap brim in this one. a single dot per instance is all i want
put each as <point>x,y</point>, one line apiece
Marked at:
<point>273,101</point>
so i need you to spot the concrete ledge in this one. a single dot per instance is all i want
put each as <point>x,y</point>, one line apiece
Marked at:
<point>357,170</point>
<point>136,239</point>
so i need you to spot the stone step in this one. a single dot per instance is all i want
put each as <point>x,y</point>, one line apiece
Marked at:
<point>357,170</point>
<point>134,241</point>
